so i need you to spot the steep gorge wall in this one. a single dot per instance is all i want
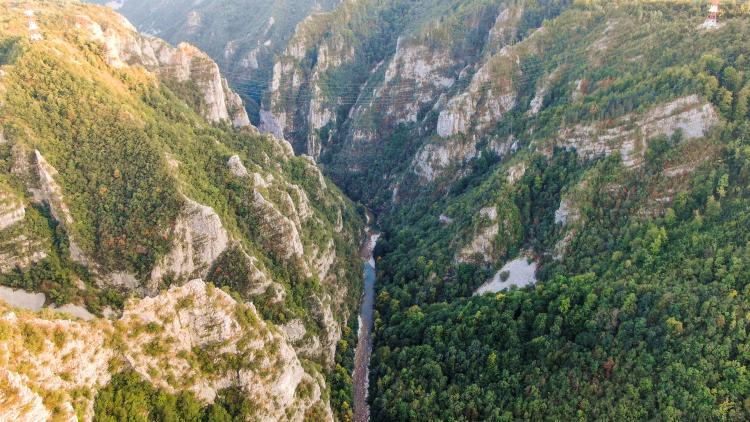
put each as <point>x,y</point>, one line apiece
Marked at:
<point>240,198</point>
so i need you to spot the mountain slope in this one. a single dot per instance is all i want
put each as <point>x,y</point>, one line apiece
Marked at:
<point>121,176</point>
<point>561,188</point>
<point>594,144</point>
<point>241,36</point>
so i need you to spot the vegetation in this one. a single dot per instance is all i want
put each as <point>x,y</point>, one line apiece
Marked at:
<point>340,378</point>
<point>128,398</point>
<point>644,316</point>
<point>127,149</point>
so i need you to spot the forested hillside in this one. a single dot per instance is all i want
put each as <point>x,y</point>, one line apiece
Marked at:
<point>205,261</point>
<point>628,129</point>
<point>601,141</point>
<point>561,187</point>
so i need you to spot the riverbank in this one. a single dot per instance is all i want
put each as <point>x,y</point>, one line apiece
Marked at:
<point>360,377</point>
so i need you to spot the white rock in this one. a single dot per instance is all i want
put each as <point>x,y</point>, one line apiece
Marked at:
<point>480,245</point>
<point>199,238</point>
<point>11,212</point>
<point>520,271</point>
<point>566,213</point>
<point>124,46</point>
<point>294,330</point>
<point>22,299</point>
<point>433,159</point>
<point>20,403</point>
<point>273,124</point>
<point>280,233</point>
<point>691,115</point>
<point>236,167</point>
<point>51,193</point>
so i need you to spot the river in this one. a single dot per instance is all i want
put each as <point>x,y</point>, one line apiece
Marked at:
<point>364,337</point>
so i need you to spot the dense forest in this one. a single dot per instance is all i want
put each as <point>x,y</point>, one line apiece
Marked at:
<point>644,317</point>
<point>110,167</point>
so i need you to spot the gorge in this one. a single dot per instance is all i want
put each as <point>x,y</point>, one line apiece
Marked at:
<point>561,191</point>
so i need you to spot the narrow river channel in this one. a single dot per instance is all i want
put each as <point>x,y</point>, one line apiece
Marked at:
<point>364,340</point>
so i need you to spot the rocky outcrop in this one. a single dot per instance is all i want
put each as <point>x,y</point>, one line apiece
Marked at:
<point>50,192</point>
<point>236,167</point>
<point>490,93</point>
<point>629,135</point>
<point>42,356</point>
<point>433,159</point>
<point>18,401</point>
<point>324,258</point>
<point>19,249</point>
<point>416,75</point>
<point>197,317</point>
<point>199,238</point>
<point>124,46</point>
<point>294,78</point>
<point>543,87</point>
<point>170,340</point>
<point>279,233</point>
<point>11,210</point>
<point>486,100</point>
<point>481,245</point>
<point>566,213</point>
<point>516,172</point>
<point>273,124</point>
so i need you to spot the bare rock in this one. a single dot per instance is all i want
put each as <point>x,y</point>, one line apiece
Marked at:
<point>236,167</point>
<point>51,193</point>
<point>12,210</point>
<point>199,238</point>
<point>691,115</point>
<point>280,234</point>
<point>124,46</point>
<point>433,159</point>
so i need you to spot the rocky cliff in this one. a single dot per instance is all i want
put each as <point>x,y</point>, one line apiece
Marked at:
<point>241,36</point>
<point>129,169</point>
<point>182,64</point>
<point>51,365</point>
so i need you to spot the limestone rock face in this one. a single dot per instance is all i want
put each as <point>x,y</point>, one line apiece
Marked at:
<point>480,105</point>
<point>628,135</point>
<point>273,124</point>
<point>282,117</point>
<point>11,210</point>
<point>481,244</point>
<point>19,251</point>
<point>205,318</point>
<point>199,238</point>
<point>280,234</point>
<point>75,355</point>
<point>490,93</point>
<point>516,172</point>
<point>69,355</point>
<point>18,401</point>
<point>50,193</point>
<point>416,75</point>
<point>434,159</point>
<point>124,46</point>
<point>236,167</point>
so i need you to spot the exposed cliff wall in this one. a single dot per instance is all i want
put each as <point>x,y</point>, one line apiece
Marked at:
<point>126,188</point>
<point>46,362</point>
<point>183,64</point>
<point>692,116</point>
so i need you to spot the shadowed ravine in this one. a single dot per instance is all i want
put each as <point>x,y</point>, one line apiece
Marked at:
<point>364,340</point>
